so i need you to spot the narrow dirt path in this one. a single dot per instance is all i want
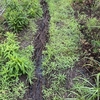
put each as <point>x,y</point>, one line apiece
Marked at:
<point>42,34</point>
<point>40,40</point>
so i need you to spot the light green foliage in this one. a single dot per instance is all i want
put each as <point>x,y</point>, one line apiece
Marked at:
<point>85,90</point>
<point>17,13</point>
<point>14,62</point>
<point>96,6</point>
<point>12,91</point>
<point>92,23</point>
<point>32,8</point>
<point>61,51</point>
<point>93,32</point>
<point>96,46</point>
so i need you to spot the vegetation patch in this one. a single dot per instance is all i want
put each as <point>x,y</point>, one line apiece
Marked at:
<point>74,28</point>
<point>18,13</point>
<point>86,13</point>
<point>61,51</point>
<point>14,62</point>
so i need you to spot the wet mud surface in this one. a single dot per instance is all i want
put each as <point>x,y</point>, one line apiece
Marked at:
<point>40,39</point>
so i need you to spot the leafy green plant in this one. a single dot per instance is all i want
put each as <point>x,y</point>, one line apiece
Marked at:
<point>90,28</point>
<point>96,7</point>
<point>94,27</point>
<point>92,23</point>
<point>13,61</point>
<point>96,46</point>
<point>15,16</point>
<point>16,20</point>
<point>18,13</point>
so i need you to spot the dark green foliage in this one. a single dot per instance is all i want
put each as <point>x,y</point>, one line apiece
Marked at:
<point>17,13</point>
<point>16,20</point>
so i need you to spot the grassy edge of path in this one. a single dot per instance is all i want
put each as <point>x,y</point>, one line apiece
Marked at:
<point>62,50</point>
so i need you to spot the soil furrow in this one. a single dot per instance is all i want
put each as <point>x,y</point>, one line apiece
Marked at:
<point>40,40</point>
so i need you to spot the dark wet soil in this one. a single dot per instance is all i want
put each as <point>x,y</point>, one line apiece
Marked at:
<point>40,39</point>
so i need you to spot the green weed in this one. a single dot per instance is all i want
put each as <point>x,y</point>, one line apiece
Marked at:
<point>90,28</point>
<point>14,62</point>
<point>12,91</point>
<point>32,8</point>
<point>18,13</point>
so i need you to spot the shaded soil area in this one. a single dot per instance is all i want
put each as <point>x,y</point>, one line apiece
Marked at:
<point>41,37</point>
<point>90,51</point>
<point>87,65</point>
<point>75,73</point>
